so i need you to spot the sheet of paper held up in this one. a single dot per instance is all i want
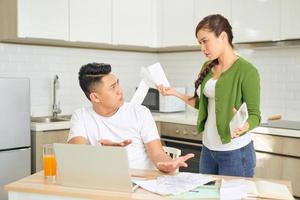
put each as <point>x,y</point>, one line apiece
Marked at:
<point>151,76</point>
<point>176,184</point>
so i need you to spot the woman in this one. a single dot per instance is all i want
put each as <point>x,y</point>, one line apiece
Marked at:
<point>226,80</point>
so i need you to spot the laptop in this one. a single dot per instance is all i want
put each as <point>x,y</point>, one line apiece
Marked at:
<point>93,167</point>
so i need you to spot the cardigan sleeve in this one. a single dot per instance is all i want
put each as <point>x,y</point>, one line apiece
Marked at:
<point>251,95</point>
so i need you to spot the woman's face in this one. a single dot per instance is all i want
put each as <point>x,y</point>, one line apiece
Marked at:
<point>211,45</point>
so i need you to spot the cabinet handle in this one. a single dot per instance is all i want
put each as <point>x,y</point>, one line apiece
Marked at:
<point>181,142</point>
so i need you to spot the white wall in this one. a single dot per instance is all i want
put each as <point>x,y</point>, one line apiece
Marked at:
<point>279,69</point>
<point>41,63</point>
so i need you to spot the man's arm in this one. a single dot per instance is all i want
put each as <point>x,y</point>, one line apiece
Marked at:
<point>104,142</point>
<point>162,161</point>
<point>78,140</point>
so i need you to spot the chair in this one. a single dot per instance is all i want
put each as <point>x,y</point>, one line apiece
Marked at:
<point>173,152</point>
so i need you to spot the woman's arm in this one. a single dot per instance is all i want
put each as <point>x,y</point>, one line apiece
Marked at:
<point>171,91</point>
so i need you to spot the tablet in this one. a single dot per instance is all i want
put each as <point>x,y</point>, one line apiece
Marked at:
<point>239,119</point>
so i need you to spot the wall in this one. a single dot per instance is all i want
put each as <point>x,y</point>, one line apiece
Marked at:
<point>279,69</point>
<point>41,63</point>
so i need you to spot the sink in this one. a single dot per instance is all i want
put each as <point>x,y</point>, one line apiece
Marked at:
<point>49,119</point>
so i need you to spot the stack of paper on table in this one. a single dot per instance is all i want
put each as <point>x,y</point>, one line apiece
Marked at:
<point>233,189</point>
<point>176,184</point>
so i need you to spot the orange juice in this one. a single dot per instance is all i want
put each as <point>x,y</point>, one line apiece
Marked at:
<point>49,165</point>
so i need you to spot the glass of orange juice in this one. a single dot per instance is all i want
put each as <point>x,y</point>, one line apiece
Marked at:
<point>49,163</point>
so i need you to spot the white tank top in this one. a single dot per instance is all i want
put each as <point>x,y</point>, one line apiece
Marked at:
<point>211,138</point>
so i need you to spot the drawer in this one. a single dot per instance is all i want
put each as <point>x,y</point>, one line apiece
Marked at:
<point>277,144</point>
<point>180,131</point>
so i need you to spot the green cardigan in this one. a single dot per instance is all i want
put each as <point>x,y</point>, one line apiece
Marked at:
<point>240,83</point>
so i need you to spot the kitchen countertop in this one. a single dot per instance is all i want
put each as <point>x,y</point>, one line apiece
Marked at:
<point>188,118</point>
<point>52,126</point>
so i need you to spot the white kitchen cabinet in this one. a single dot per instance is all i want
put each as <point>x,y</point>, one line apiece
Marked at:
<point>204,8</point>
<point>176,24</point>
<point>290,19</point>
<point>134,22</point>
<point>91,21</point>
<point>47,19</point>
<point>256,20</point>
<point>278,157</point>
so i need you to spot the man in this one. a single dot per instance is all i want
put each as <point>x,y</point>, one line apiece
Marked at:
<point>110,121</point>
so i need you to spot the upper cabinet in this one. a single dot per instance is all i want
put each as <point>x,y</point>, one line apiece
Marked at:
<point>119,24</point>
<point>47,19</point>
<point>134,22</point>
<point>176,24</point>
<point>43,19</point>
<point>290,19</point>
<point>204,8</point>
<point>256,20</point>
<point>90,21</point>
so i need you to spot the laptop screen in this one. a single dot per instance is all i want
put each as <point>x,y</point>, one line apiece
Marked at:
<point>97,167</point>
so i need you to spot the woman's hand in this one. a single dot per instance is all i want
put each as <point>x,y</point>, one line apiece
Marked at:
<point>166,91</point>
<point>239,131</point>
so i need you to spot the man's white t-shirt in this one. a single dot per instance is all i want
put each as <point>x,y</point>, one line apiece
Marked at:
<point>131,121</point>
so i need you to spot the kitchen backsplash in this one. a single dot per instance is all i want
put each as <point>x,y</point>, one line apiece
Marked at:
<point>41,63</point>
<point>279,70</point>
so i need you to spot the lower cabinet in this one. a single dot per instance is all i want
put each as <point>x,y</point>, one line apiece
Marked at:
<point>38,139</point>
<point>279,167</point>
<point>278,157</point>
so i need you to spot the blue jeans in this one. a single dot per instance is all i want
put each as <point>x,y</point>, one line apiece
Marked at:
<point>239,162</point>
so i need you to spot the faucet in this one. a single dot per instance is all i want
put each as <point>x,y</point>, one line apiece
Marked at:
<point>55,107</point>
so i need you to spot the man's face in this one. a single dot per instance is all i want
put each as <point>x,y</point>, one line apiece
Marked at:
<point>109,92</point>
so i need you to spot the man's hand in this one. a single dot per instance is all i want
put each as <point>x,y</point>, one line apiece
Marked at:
<point>239,131</point>
<point>106,142</point>
<point>171,166</point>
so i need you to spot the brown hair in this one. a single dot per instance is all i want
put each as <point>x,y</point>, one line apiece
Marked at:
<point>216,24</point>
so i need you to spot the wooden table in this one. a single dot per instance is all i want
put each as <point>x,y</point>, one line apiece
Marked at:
<point>34,187</point>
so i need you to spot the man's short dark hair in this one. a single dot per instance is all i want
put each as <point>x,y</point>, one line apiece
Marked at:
<point>91,74</point>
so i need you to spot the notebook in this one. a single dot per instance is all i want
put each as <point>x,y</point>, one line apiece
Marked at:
<point>94,167</point>
<point>268,190</point>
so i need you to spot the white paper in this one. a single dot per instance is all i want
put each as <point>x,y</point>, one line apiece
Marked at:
<point>176,184</point>
<point>233,189</point>
<point>158,75</point>
<point>140,93</point>
<point>147,77</point>
<point>239,119</point>
<point>151,76</point>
